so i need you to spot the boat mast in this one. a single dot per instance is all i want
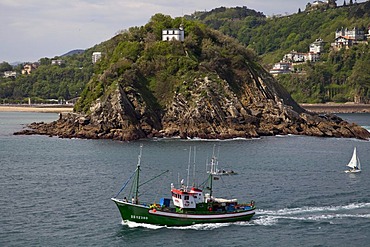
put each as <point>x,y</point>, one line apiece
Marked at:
<point>188,177</point>
<point>194,179</point>
<point>138,173</point>
<point>213,171</point>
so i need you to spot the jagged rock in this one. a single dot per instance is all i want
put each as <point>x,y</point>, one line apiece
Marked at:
<point>211,118</point>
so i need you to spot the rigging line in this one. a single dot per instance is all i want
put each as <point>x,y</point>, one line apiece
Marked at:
<point>226,186</point>
<point>125,184</point>
<point>160,189</point>
<point>154,178</point>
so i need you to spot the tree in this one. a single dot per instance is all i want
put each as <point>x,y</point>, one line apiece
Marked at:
<point>4,66</point>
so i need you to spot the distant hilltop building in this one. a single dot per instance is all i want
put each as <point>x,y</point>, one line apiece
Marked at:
<point>57,62</point>
<point>321,5</point>
<point>96,56</point>
<point>28,68</point>
<point>173,34</point>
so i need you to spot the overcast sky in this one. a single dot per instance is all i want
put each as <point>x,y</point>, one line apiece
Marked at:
<point>33,29</point>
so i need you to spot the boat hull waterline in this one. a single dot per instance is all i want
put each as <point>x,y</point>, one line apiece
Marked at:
<point>144,214</point>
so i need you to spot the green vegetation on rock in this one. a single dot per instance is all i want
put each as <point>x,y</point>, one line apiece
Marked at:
<point>141,60</point>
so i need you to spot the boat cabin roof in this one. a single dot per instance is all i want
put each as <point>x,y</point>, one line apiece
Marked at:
<point>184,192</point>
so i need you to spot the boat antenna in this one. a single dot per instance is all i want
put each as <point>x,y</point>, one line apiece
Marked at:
<point>187,180</point>
<point>195,152</point>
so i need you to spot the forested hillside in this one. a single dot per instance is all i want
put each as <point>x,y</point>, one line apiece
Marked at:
<point>60,82</point>
<point>340,76</point>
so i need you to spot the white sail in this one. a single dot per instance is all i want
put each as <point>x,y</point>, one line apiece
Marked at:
<point>354,162</point>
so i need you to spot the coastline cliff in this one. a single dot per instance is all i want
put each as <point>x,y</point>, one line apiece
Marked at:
<point>208,86</point>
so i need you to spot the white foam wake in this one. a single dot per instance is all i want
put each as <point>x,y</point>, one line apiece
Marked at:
<point>291,211</point>
<point>199,227</point>
<point>272,217</point>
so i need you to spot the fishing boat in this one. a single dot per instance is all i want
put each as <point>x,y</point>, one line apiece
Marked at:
<point>222,172</point>
<point>189,205</point>
<point>354,163</point>
<point>215,167</point>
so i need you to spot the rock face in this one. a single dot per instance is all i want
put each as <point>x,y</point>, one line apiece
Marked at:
<point>211,111</point>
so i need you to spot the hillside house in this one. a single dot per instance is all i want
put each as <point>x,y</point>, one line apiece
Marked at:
<point>8,74</point>
<point>354,34</point>
<point>96,56</point>
<point>345,38</point>
<point>28,68</point>
<point>294,57</point>
<point>173,34</point>
<point>57,62</point>
<point>343,42</point>
<point>281,68</point>
<point>317,46</point>
<point>312,57</point>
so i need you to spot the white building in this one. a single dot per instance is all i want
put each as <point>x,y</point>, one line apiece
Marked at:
<point>281,68</point>
<point>96,56</point>
<point>57,62</point>
<point>354,34</point>
<point>294,57</point>
<point>8,74</point>
<point>173,34</point>
<point>317,46</point>
<point>312,57</point>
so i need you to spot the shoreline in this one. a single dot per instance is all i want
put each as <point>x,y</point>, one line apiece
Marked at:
<point>36,108</point>
<point>337,108</point>
<point>318,108</point>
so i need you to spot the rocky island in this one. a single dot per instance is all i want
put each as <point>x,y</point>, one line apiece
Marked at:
<point>205,86</point>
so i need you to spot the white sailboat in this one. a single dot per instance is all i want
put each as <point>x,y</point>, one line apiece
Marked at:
<point>354,163</point>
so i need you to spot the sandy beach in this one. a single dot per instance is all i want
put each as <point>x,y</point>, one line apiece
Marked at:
<point>36,108</point>
<point>337,108</point>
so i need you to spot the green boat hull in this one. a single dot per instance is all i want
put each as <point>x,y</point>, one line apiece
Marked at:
<point>144,214</point>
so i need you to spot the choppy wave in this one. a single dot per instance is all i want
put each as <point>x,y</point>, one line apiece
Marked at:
<point>272,217</point>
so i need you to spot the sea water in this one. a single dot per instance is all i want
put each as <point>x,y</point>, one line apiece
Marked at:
<point>56,192</point>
